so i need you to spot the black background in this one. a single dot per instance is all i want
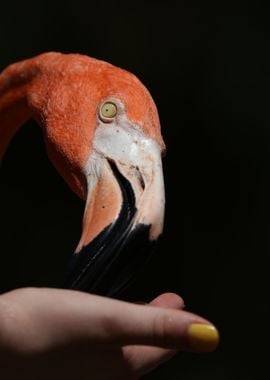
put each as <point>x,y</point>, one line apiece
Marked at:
<point>207,67</point>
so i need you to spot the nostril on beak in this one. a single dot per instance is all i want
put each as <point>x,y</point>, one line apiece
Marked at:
<point>140,177</point>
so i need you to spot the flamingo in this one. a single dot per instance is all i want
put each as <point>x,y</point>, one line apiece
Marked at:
<point>102,133</point>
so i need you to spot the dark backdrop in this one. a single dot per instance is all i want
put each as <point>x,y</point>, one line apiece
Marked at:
<point>207,67</point>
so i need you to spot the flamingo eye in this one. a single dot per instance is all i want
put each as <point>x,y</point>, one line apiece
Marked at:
<point>108,111</point>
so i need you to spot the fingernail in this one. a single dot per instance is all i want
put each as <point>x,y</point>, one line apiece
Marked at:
<point>202,337</point>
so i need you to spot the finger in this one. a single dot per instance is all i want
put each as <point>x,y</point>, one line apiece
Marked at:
<point>168,300</point>
<point>68,316</point>
<point>121,323</point>
<point>144,359</point>
<point>178,331</point>
<point>166,328</point>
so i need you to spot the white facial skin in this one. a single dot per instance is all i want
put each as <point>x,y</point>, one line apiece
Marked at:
<point>137,157</point>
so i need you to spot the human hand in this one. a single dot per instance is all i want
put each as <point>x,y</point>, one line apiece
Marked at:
<point>65,334</point>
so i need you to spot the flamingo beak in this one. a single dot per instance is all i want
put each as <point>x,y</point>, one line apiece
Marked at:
<point>123,217</point>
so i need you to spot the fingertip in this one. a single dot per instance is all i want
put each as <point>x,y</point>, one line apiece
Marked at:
<point>202,337</point>
<point>169,300</point>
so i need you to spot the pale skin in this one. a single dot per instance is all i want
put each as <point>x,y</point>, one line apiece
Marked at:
<point>53,333</point>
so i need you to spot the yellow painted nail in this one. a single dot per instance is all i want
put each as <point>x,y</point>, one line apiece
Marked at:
<point>203,337</point>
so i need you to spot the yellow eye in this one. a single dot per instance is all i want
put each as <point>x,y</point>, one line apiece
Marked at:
<point>108,111</point>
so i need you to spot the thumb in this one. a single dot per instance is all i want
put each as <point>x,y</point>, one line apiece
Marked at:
<point>58,316</point>
<point>166,328</point>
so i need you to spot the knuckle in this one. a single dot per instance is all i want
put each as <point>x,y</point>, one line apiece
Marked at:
<point>162,330</point>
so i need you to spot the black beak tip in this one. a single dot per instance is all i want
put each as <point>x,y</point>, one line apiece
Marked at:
<point>109,271</point>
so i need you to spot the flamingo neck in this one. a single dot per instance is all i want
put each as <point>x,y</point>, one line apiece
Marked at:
<point>14,110</point>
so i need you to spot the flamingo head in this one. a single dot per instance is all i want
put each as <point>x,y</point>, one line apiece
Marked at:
<point>102,134</point>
